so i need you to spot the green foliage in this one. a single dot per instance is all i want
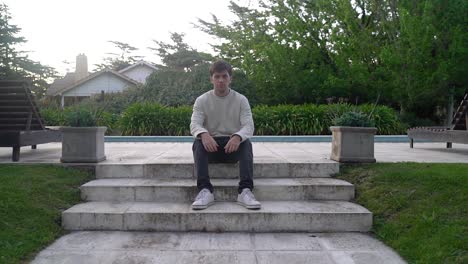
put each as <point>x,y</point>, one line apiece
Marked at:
<point>290,120</point>
<point>80,117</point>
<point>153,119</point>
<point>409,54</point>
<point>185,75</point>
<point>353,119</point>
<point>410,119</point>
<point>316,119</point>
<point>285,66</point>
<point>144,119</point>
<point>121,60</point>
<point>173,87</point>
<point>178,55</point>
<point>385,119</point>
<point>53,116</point>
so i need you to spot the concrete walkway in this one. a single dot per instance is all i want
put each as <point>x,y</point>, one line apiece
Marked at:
<point>217,248</point>
<point>160,247</point>
<point>143,153</point>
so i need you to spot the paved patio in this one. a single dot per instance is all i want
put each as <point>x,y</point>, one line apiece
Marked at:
<point>140,153</point>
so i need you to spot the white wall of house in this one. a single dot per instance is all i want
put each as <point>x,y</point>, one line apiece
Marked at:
<point>139,73</point>
<point>107,82</point>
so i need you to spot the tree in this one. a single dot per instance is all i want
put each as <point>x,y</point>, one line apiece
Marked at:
<point>185,74</point>
<point>15,64</point>
<point>407,54</point>
<point>429,57</point>
<point>120,60</point>
<point>281,47</point>
<point>178,55</point>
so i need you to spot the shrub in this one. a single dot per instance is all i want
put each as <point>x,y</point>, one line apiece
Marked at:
<point>53,116</point>
<point>354,119</point>
<point>80,118</point>
<point>145,119</point>
<point>154,119</point>
<point>289,120</point>
<point>385,118</point>
<point>70,116</point>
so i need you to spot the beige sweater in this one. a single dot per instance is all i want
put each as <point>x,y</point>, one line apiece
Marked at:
<point>222,116</point>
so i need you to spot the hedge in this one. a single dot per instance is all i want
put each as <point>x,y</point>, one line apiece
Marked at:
<point>145,119</point>
<point>152,119</point>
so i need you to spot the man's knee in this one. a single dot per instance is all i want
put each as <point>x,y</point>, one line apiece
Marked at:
<point>246,145</point>
<point>198,147</point>
<point>245,149</point>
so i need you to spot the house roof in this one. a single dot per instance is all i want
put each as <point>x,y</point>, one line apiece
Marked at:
<point>139,63</point>
<point>60,84</point>
<point>92,76</point>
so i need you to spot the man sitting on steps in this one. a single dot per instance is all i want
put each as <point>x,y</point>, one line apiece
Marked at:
<point>222,125</point>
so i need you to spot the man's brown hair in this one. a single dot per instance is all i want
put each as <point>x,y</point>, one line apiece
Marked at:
<point>220,66</point>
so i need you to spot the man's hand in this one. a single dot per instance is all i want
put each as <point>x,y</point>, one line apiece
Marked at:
<point>209,143</point>
<point>233,144</point>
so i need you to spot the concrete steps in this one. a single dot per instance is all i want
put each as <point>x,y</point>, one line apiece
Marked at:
<point>221,171</point>
<point>275,216</point>
<point>295,197</point>
<point>184,190</point>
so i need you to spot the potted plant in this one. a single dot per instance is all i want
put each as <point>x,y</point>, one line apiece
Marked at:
<point>353,138</point>
<point>82,140</point>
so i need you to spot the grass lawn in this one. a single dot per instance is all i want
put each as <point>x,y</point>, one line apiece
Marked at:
<point>31,201</point>
<point>420,210</point>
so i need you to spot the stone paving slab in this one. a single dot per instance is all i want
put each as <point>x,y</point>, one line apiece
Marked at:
<point>151,153</point>
<point>221,248</point>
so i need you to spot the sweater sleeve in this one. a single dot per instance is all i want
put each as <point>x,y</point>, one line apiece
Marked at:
<point>247,125</point>
<point>197,120</point>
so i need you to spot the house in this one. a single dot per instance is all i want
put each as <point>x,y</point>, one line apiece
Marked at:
<point>81,84</point>
<point>139,71</point>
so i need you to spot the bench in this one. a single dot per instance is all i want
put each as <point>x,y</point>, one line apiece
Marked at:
<point>457,133</point>
<point>20,121</point>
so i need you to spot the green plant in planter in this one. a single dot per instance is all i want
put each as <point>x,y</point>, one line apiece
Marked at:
<point>83,140</point>
<point>81,118</point>
<point>354,119</point>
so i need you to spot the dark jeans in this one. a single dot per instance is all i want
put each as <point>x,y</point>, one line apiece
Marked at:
<point>243,155</point>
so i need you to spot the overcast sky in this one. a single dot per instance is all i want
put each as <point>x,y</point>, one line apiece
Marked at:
<point>58,30</point>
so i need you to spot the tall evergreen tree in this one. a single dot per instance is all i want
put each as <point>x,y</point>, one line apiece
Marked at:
<point>178,55</point>
<point>15,64</point>
<point>120,60</point>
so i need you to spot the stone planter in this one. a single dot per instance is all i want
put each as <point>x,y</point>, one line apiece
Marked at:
<point>83,144</point>
<point>353,144</point>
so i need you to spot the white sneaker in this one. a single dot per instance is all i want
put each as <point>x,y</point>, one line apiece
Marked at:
<point>247,199</point>
<point>204,199</point>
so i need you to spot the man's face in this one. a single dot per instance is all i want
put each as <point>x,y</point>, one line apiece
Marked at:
<point>221,81</point>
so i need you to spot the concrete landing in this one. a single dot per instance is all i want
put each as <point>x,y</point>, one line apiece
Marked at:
<point>217,248</point>
<point>164,153</point>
